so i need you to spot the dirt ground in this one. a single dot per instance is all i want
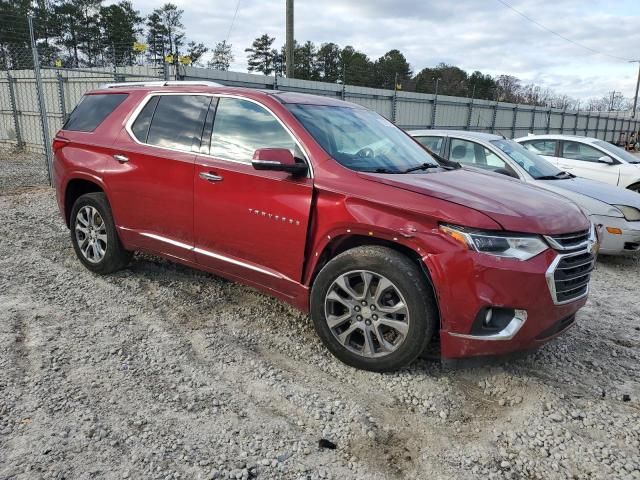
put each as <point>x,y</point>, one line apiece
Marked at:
<point>161,371</point>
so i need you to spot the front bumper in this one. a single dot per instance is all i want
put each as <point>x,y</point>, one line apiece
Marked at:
<point>468,282</point>
<point>625,243</point>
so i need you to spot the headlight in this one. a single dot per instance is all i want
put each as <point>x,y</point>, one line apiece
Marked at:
<point>518,247</point>
<point>630,213</point>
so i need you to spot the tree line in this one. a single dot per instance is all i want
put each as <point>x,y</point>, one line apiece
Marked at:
<point>89,33</point>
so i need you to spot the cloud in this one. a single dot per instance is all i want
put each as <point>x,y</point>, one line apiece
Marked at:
<point>472,34</point>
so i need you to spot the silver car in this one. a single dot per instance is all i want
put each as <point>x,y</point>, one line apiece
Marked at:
<point>616,209</point>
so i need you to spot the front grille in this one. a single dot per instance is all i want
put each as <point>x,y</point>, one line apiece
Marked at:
<point>571,276</point>
<point>569,241</point>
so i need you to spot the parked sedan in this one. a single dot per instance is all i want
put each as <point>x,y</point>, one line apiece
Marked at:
<point>588,157</point>
<point>616,209</point>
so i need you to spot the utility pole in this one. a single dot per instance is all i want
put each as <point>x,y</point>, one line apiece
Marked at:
<point>290,41</point>
<point>613,97</point>
<point>635,99</point>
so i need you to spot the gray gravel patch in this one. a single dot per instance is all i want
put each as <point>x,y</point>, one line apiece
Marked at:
<point>160,371</point>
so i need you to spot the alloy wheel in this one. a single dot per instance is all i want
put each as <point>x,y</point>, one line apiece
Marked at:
<point>367,313</point>
<point>91,234</point>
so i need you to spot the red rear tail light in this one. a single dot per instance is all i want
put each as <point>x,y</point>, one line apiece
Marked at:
<point>58,143</point>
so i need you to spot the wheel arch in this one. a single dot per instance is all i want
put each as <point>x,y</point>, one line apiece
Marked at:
<point>341,243</point>
<point>75,188</point>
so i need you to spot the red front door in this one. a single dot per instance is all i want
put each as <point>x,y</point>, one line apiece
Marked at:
<point>248,223</point>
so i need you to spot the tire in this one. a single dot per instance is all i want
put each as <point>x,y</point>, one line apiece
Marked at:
<point>394,339</point>
<point>94,236</point>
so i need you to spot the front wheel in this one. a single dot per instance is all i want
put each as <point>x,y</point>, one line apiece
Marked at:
<point>94,236</point>
<point>373,309</point>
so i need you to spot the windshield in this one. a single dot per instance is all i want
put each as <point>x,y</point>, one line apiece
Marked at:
<point>361,140</point>
<point>535,165</point>
<point>618,152</point>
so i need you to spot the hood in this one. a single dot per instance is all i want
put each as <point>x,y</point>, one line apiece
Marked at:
<point>602,192</point>
<point>516,206</point>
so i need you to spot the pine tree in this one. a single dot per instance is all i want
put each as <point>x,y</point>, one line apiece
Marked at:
<point>120,26</point>
<point>222,56</point>
<point>195,52</point>
<point>328,62</point>
<point>261,55</point>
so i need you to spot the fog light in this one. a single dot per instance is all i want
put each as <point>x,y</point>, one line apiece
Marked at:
<point>614,231</point>
<point>488,317</point>
<point>495,323</point>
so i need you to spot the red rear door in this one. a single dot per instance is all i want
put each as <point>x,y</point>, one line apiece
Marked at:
<point>151,180</point>
<point>248,223</point>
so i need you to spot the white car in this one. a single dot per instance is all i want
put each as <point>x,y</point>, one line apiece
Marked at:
<point>588,158</point>
<point>616,209</point>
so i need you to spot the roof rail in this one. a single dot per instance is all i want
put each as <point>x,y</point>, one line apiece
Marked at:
<point>163,83</point>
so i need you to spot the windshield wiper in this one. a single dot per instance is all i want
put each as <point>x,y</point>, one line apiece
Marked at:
<point>424,166</point>
<point>381,170</point>
<point>557,176</point>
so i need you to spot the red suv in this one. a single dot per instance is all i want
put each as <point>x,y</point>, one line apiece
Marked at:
<point>328,206</point>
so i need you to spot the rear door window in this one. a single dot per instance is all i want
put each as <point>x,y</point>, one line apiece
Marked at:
<point>140,127</point>
<point>92,110</point>
<point>432,143</point>
<point>177,121</point>
<point>541,147</point>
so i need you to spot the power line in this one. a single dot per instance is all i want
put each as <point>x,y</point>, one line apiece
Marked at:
<point>233,21</point>
<point>560,35</point>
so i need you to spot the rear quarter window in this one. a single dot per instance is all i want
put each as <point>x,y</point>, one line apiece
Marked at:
<point>92,110</point>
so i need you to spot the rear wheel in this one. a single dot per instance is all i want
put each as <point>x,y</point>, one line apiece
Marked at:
<point>373,309</point>
<point>94,236</point>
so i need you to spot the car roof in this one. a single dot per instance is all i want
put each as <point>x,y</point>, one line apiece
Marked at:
<point>212,87</point>
<point>558,136</point>
<point>458,133</point>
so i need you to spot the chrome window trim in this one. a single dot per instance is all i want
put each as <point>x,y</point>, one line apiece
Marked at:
<point>136,112</point>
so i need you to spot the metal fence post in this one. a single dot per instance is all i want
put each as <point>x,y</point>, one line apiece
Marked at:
<point>515,120</point>
<point>548,120</point>
<point>575,124</point>
<point>469,114</point>
<point>586,125</point>
<point>433,110</point>
<point>43,110</point>
<point>606,128</point>
<point>14,109</point>
<point>394,106</point>
<point>533,120</point>
<point>564,113</point>
<point>597,126</point>
<point>61,97</point>
<point>493,120</point>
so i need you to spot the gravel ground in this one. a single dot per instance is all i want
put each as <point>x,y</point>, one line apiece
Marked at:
<point>161,371</point>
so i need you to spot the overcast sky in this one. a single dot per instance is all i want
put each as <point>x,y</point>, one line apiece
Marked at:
<point>472,34</point>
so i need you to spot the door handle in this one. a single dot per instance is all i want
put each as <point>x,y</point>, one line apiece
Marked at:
<point>210,177</point>
<point>121,158</point>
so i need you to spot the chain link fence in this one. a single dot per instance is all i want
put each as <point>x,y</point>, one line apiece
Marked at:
<point>43,75</point>
<point>40,84</point>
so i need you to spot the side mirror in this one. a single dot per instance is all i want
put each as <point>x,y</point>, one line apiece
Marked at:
<point>606,159</point>
<point>278,160</point>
